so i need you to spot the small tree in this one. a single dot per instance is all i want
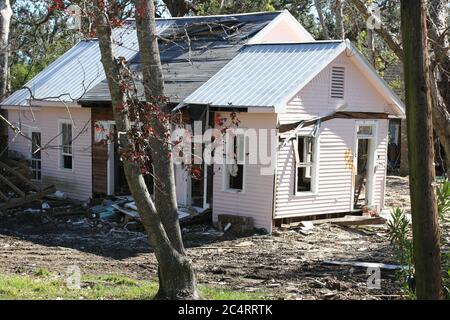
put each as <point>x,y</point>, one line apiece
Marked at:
<point>160,217</point>
<point>5,20</point>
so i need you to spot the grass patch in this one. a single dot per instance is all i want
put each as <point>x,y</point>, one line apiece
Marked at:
<point>43,285</point>
<point>42,272</point>
<point>222,294</point>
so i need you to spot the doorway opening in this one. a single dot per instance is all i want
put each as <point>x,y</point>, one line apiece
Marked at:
<point>364,165</point>
<point>117,181</point>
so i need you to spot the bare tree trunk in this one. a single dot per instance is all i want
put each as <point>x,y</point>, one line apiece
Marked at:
<point>5,19</point>
<point>176,275</point>
<point>421,150</point>
<point>178,8</point>
<point>371,47</point>
<point>404,162</point>
<point>338,13</point>
<point>440,79</point>
<point>383,31</point>
<point>318,4</point>
<point>165,194</point>
<point>439,34</point>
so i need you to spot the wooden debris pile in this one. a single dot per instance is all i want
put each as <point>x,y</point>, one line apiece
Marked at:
<point>16,186</point>
<point>126,207</point>
<point>348,220</point>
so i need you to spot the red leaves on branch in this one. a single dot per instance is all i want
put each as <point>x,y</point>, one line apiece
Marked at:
<point>57,5</point>
<point>121,108</point>
<point>196,172</point>
<point>116,23</point>
<point>219,121</point>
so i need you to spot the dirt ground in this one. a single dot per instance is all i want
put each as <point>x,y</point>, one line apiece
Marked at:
<point>285,265</point>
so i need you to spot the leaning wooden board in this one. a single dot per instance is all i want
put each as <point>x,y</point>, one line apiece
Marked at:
<point>14,181</point>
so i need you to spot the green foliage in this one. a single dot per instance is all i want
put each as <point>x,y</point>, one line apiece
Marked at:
<point>398,233</point>
<point>443,199</point>
<point>446,278</point>
<point>443,206</point>
<point>22,70</point>
<point>37,39</point>
<point>212,7</point>
<point>42,272</point>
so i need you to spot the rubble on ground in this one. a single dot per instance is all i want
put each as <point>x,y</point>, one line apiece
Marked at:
<point>288,264</point>
<point>16,185</point>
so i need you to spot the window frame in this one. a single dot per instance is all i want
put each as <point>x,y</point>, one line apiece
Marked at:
<point>62,154</point>
<point>314,167</point>
<point>31,131</point>
<point>242,162</point>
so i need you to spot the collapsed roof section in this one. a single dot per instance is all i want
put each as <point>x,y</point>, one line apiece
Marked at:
<point>193,49</point>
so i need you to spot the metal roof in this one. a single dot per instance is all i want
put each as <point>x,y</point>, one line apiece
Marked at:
<point>78,74</point>
<point>189,61</point>
<point>263,75</point>
<point>75,72</point>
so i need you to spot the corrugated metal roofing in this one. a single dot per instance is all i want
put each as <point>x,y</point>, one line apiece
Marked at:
<point>78,71</point>
<point>75,72</point>
<point>188,62</point>
<point>263,75</point>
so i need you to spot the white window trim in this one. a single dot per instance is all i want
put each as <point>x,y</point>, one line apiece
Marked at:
<point>371,123</point>
<point>225,182</point>
<point>330,81</point>
<point>314,167</point>
<point>32,130</point>
<point>60,140</point>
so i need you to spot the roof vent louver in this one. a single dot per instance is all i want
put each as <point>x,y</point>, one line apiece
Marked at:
<point>337,82</point>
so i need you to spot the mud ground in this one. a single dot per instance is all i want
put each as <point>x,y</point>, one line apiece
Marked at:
<point>285,265</point>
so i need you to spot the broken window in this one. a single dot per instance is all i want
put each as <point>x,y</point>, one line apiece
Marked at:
<point>234,175</point>
<point>66,146</point>
<point>304,161</point>
<point>365,131</point>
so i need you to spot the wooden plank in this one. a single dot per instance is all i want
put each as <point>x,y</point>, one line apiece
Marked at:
<point>12,186</point>
<point>18,202</point>
<point>365,264</point>
<point>337,115</point>
<point>18,175</point>
<point>131,213</point>
<point>352,221</point>
<point>3,196</point>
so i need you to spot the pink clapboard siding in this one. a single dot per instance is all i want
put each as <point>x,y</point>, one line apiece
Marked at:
<point>336,144</point>
<point>314,99</point>
<point>25,120</point>
<point>77,183</point>
<point>335,168</point>
<point>256,200</point>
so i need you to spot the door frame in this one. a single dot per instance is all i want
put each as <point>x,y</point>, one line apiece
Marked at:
<point>111,175</point>
<point>372,150</point>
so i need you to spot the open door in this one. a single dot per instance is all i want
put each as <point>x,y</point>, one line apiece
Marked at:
<point>364,160</point>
